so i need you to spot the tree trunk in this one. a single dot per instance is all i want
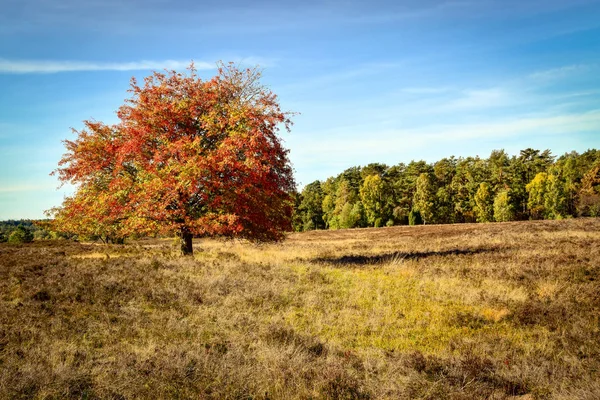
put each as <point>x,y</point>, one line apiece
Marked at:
<point>185,238</point>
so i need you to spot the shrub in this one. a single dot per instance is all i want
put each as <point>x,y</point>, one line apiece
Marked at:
<point>20,235</point>
<point>414,218</point>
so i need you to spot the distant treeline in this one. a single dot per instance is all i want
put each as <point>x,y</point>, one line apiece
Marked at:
<point>24,230</point>
<point>532,185</point>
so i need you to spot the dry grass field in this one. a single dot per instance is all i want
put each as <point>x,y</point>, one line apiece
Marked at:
<point>474,311</point>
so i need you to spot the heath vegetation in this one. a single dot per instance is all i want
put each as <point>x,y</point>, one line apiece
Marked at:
<point>470,311</point>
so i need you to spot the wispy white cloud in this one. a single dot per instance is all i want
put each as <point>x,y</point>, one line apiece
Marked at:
<point>425,90</point>
<point>560,72</point>
<point>50,67</point>
<point>452,136</point>
<point>18,188</point>
<point>565,124</point>
<point>480,99</point>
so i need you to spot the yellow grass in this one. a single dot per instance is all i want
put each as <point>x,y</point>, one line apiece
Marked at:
<point>455,311</point>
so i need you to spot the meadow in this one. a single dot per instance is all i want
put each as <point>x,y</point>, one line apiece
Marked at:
<point>471,311</point>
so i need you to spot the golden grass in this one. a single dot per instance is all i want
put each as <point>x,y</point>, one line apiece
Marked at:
<point>455,311</point>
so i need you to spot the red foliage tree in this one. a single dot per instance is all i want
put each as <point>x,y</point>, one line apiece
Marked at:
<point>194,157</point>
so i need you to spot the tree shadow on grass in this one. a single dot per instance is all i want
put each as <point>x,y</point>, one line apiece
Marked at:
<point>397,256</point>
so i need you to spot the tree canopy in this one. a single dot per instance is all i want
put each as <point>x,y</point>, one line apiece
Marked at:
<point>189,156</point>
<point>530,185</point>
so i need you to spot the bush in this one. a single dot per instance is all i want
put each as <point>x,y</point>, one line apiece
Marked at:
<point>20,235</point>
<point>414,218</point>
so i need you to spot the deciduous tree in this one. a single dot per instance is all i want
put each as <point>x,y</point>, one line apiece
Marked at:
<point>424,200</point>
<point>503,208</point>
<point>371,195</point>
<point>589,203</point>
<point>189,156</point>
<point>311,207</point>
<point>555,201</point>
<point>537,190</point>
<point>484,203</point>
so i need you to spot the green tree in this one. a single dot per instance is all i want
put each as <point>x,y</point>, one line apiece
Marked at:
<point>424,200</point>
<point>444,206</point>
<point>328,208</point>
<point>470,172</point>
<point>344,194</point>
<point>353,177</point>
<point>498,164</point>
<point>537,190</point>
<point>414,218</point>
<point>350,216</point>
<point>358,215</point>
<point>444,170</point>
<point>398,201</point>
<point>329,188</point>
<point>568,167</point>
<point>503,208</point>
<point>311,207</point>
<point>20,235</point>
<point>523,170</point>
<point>589,202</point>
<point>406,186</point>
<point>371,195</point>
<point>484,203</point>
<point>555,201</point>
<point>373,169</point>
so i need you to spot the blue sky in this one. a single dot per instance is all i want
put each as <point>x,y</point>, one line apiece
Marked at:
<point>377,81</point>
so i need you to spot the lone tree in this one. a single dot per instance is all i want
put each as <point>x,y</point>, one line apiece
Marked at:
<point>189,156</point>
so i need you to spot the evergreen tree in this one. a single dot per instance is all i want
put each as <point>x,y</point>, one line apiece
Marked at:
<point>530,185</point>
<point>470,172</point>
<point>498,164</point>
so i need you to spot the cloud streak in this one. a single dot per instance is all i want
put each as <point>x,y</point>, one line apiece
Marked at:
<point>560,73</point>
<point>52,67</point>
<point>18,188</point>
<point>451,136</point>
